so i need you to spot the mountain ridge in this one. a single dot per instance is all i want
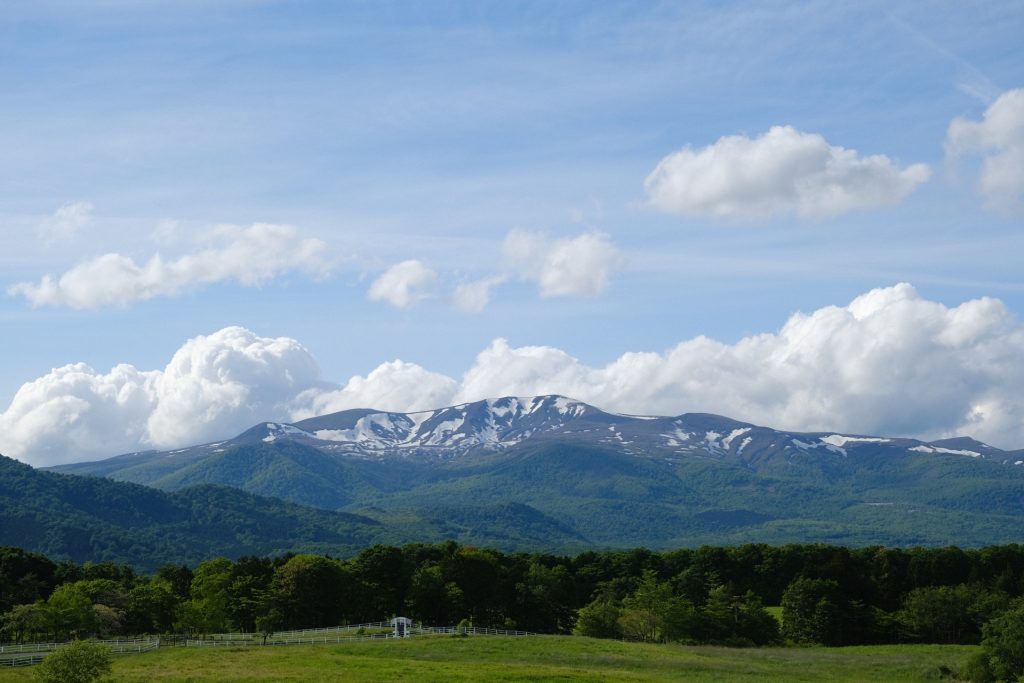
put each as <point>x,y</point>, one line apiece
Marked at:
<point>497,424</point>
<point>599,479</point>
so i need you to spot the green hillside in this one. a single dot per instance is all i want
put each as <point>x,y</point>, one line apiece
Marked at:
<point>573,494</point>
<point>90,518</point>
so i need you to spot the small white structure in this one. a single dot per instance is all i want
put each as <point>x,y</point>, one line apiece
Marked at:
<point>401,627</point>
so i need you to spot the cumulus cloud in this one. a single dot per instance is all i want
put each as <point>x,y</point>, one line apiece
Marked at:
<point>999,139</point>
<point>473,296</point>
<point>889,363</point>
<point>213,386</point>
<point>66,222</point>
<point>227,381</point>
<point>576,266</point>
<point>783,171</point>
<point>396,386</point>
<point>250,256</point>
<point>404,284</point>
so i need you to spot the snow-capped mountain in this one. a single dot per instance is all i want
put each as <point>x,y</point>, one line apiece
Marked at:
<point>607,479</point>
<point>494,425</point>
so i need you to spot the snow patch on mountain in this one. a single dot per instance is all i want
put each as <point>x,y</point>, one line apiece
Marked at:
<point>839,440</point>
<point>948,451</point>
<point>820,443</point>
<point>727,441</point>
<point>276,431</point>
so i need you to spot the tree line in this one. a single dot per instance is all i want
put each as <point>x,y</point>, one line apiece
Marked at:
<point>830,595</point>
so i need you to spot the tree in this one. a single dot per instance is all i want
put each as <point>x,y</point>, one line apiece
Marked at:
<point>1003,642</point>
<point>652,613</point>
<point>25,620</point>
<point>209,609</point>
<point>70,611</point>
<point>308,590</point>
<point>947,614</point>
<point>811,612</point>
<point>267,623</point>
<point>151,606</point>
<point>737,619</point>
<point>432,600</point>
<point>599,619</point>
<point>545,598</point>
<point>77,662</point>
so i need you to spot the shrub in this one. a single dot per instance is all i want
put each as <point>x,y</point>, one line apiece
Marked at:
<point>1004,644</point>
<point>977,669</point>
<point>78,662</point>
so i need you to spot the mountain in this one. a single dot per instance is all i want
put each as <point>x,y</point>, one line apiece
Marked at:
<point>590,478</point>
<point>89,518</point>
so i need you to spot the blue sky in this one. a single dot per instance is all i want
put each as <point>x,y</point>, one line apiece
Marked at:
<point>430,132</point>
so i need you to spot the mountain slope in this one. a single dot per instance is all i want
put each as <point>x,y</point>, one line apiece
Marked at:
<point>597,478</point>
<point>87,518</point>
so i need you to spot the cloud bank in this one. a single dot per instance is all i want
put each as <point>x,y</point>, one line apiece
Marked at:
<point>783,171</point>
<point>213,386</point>
<point>249,256</point>
<point>999,139</point>
<point>890,362</point>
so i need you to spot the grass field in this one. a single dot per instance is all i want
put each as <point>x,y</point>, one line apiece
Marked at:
<point>540,658</point>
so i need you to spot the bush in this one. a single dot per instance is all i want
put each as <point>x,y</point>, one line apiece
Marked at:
<point>978,669</point>
<point>78,662</point>
<point>1004,644</point>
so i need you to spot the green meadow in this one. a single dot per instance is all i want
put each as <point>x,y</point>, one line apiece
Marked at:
<point>540,658</point>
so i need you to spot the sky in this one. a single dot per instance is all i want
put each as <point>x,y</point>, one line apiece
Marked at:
<point>804,215</point>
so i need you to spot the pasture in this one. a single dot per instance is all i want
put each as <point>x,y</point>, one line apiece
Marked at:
<point>535,658</point>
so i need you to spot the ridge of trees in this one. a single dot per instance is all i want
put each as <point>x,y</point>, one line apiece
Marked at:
<point>830,595</point>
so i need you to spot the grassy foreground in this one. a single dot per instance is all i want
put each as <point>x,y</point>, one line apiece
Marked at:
<point>541,658</point>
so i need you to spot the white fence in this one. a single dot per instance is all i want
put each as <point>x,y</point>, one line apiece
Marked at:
<point>342,634</point>
<point>27,654</point>
<point>32,653</point>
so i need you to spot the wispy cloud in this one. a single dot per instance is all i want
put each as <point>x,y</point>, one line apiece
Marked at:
<point>574,266</point>
<point>66,222</point>
<point>473,296</point>
<point>999,139</point>
<point>249,256</point>
<point>404,285</point>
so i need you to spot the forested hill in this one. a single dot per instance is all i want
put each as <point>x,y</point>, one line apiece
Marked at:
<point>85,518</point>
<point>89,518</point>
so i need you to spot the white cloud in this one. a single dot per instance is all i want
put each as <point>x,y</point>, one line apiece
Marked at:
<point>473,297</point>
<point>66,222</point>
<point>396,386</point>
<point>999,139</point>
<point>249,256</point>
<point>888,363</point>
<point>783,171</point>
<point>225,382</point>
<point>214,386</point>
<point>577,266</point>
<point>404,284</point>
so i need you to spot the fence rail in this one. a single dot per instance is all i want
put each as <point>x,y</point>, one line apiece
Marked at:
<point>300,633</point>
<point>335,635</point>
<point>21,659</point>
<point>27,654</point>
